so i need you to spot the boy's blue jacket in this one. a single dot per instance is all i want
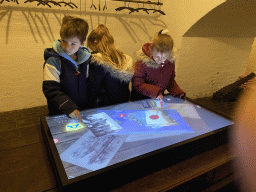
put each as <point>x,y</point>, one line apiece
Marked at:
<point>64,83</point>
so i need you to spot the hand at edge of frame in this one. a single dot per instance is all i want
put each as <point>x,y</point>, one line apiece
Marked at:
<point>76,114</point>
<point>160,96</point>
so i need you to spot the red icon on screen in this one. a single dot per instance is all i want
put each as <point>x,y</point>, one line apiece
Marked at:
<point>56,140</point>
<point>161,103</point>
<point>121,115</point>
<point>154,117</point>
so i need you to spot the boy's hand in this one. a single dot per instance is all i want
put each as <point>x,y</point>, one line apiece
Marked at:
<point>160,96</point>
<point>76,114</point>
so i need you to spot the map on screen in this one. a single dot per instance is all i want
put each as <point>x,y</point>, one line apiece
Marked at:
<point>108,130</point>
<point>148,121</point>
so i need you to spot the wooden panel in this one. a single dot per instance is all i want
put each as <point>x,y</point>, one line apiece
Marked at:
<point>26,169</point>
<point>21,118</point>
<point>204,181</point>
<point>222,172</point>
<point>54,190</point>
<point>180,173</point>
<point>20,137</point>
<point>223,108</point>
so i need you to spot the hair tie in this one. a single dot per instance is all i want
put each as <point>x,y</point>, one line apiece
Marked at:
<point>164,31</point>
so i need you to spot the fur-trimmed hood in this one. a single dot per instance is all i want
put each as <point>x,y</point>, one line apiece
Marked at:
<point>145,56</point>
<point>83,54</point>
<point>122,75</point>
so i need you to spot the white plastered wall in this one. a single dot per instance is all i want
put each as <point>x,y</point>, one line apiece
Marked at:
<point>216,50</point>
<point>27,29</point>
<point>208,64</point>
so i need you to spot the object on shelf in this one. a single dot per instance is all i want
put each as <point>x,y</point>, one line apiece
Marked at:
<point>141,8</point>
<point>15,1</point>
<point>70,4</point>
<point>141,1</point>
<point>93,6</point>
<point>46,2</point>
<point>232,91</point>
<point>105,6</point>
<point>125,7</point>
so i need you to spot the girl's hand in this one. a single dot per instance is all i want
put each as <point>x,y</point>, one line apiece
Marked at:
<point>160,96</point>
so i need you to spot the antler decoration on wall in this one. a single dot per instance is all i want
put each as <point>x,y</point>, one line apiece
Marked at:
<point>94,6</point>
<point>15,1</point>
<point>124,7</point>
<point>140,8</point>
<point>46,2</point>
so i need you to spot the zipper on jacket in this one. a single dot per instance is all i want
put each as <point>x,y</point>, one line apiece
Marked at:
<point>87,71</point>
<point>77,71</point>
<point>161,70</point>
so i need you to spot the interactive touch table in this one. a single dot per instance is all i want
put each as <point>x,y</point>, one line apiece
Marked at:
<point>118,135</point>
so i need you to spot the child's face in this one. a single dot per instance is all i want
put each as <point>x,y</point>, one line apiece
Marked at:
<point>71,45</point>
<point>160,57</point>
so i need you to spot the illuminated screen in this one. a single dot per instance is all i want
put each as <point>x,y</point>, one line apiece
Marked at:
<point>110,135</point>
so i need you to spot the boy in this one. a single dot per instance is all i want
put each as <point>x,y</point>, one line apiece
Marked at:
<point>155,70</point>
<point>66,69</point>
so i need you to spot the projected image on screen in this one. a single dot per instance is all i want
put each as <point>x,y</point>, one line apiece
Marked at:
<point>101,124</point>
<point>148,121</point>
<point>109,130</point>
<point>74,126</point>
<point>92,152</point>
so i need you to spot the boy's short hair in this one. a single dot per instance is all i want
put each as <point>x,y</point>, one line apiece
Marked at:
<point>74,27</point>
<point>162,43</point>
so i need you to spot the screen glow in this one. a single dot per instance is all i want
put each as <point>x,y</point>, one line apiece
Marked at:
<point>74,126</point>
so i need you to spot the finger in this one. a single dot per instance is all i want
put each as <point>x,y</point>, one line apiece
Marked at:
<point>78,115</point>
<point>72,115</point>
<point>79,118</point>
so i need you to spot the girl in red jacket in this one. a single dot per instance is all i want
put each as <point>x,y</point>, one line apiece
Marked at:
<point>155,70</point>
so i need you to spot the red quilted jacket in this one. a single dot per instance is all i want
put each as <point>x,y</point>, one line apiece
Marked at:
<point>151,79</point>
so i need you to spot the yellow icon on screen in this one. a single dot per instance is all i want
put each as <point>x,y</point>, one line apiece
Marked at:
<point>74,126</point>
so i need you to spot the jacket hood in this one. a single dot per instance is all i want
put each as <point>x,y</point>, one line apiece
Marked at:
<point>122,75</point>
<point>147,49</point>
<point>144,55</point>
<point>83,53</point>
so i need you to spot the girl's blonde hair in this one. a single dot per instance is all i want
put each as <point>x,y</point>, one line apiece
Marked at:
<point>162,43</point>
<point>100,40</point>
